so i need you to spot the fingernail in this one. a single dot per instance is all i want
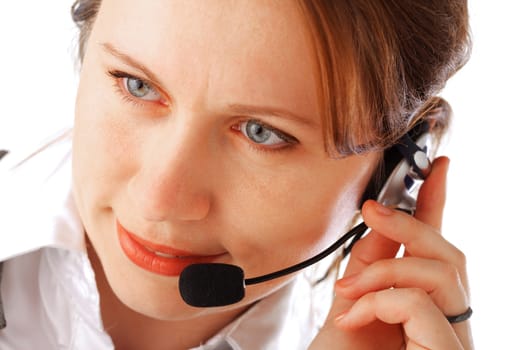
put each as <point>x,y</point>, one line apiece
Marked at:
<point>382,210</point>
<point>448,164</point>
<point>340,317</point>
<point>348,280</point>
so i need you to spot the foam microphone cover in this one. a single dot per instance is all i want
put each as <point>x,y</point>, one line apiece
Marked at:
<point>205,285</point>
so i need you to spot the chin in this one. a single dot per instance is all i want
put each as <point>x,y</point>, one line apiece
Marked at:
<point>152,296</point>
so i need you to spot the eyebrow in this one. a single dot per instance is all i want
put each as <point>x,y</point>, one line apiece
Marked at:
<point>272,112</point>
<point>130,61</point>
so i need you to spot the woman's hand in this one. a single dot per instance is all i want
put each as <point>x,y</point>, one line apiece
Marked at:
<point>384,302</point>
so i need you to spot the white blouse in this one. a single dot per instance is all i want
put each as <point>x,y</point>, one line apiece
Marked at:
<point>48,288</point>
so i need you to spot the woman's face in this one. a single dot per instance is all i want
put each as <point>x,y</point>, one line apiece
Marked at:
<point>198,135</point>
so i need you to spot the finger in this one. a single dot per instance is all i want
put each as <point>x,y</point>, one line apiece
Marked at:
<point>371,248</point>
<point>440,280</point>
<point>425,325</point>
<point>419,238</point>
<point>432,195</point>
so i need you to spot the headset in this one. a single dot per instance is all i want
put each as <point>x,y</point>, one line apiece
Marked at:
<point>406,165</point>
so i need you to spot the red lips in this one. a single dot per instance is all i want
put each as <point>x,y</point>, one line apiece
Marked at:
<point>156,258</point>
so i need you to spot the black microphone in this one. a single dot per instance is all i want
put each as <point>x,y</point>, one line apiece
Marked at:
<point>207,285</point>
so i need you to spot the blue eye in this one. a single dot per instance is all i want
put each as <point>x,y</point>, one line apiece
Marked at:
<point>140,89</point>
<point>262,134</point>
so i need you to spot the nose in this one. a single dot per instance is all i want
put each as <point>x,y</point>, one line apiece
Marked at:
<point>172,182</point>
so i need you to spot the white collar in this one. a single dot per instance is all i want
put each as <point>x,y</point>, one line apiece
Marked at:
<point>39,184</point>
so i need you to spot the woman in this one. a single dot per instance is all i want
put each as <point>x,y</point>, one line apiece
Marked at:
<point>246,133</point>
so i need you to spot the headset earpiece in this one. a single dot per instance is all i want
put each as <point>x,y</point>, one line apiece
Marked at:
<point>406,165</point>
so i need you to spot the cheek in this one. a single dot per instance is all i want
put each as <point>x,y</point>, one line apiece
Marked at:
<point>103,146</point>
<point>289,217</point>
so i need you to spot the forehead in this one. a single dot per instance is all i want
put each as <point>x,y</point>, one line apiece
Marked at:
<point>263,46</point>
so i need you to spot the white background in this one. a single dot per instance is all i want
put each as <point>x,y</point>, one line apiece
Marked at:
<point>485,212</point>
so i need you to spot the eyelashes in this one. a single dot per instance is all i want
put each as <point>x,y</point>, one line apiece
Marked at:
<point>264,136</point>
<point>135,90</point>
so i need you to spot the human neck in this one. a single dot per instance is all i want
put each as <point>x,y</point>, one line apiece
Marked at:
<point>131,330</point>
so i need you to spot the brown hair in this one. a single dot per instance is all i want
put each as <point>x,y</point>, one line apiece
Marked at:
<point>381,64</point>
